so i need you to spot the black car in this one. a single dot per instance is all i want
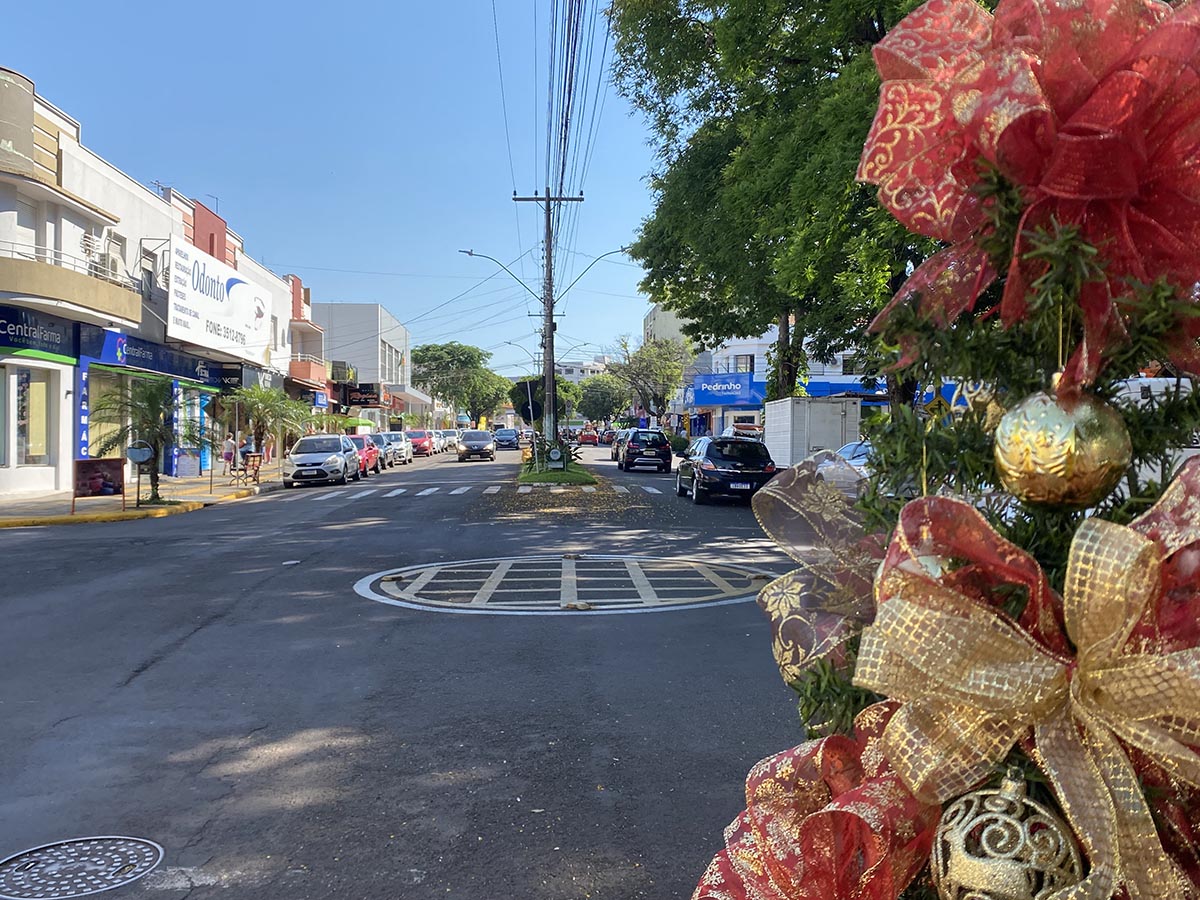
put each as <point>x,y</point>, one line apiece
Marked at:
<point>738,467</point>
<point>508,439</point>
<point>476,443</point>
<point>644,448</point>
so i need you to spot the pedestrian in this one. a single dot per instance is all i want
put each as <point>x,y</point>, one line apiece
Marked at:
<point>246,446</point>
<point>227,452</point>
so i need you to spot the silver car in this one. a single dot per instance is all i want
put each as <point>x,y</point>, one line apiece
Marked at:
<point>401,446</point>
<point>849,469</point>
<point>321,458</point>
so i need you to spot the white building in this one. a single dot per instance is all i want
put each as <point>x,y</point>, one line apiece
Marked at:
<point>576,371</point>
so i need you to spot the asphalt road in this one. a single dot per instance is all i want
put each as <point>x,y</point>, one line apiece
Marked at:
<point>213,682</point>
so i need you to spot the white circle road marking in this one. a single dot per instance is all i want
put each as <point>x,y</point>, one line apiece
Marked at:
<point>545,584</point>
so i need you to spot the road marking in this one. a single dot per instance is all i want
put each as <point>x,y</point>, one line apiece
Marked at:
<point>715,579</point>
<point>427,492</point>
<point>494,489</point>
<point>650,490</point>
<point>396,493</point>
<point>291,499</point>
<point>558,489</point>
<point>640,581</point>
<point>461,490</point>
<point>421,580</point>
<point>620,489</point>
<point>484,594</point>
<point>569,591</point>
<point>524,489</point>
<point>329,494</point>
<point>367,493</point>
<point>589,489</point>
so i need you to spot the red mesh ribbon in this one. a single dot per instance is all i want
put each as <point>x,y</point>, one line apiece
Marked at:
<point>1090,107</point>
<point>827,820</point>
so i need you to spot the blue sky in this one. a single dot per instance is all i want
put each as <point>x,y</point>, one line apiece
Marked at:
<point>366,137</point>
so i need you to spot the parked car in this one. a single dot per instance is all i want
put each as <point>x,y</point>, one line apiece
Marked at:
<point>507,439</point>
<point>449,439</point>
<point>744,430</point>
<point>404,447</point>
<point>476,443</point>
<point>527,435</point>
<point>737,467</point>
<point>608,436</point>
<point>423,442</point>
<point>645,448</point>
<point>387,453</point>
<point>368,454</point>
<point>619,441</point>
<point>588,436</point>
<point>321,458</point>
<point>849,478</point>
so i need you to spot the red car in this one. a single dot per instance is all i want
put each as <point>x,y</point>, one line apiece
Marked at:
<point>589,437</point>
<point>368,454</point>
<point>607,437</point>
<point>422,442</point>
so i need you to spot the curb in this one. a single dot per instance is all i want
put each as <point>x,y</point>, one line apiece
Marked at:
<point>151,512</point>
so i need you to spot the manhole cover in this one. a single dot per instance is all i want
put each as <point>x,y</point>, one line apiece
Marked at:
<point>539,585</point>
<point>77,868</point>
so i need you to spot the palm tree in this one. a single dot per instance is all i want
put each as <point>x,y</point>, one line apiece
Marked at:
<point>269,411</point>
<point>144,410</point>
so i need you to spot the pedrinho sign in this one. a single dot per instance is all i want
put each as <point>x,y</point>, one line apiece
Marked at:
<point>728,389</point>
<point>213,306</point>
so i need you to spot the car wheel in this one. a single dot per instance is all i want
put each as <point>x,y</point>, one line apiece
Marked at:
<point>341,479</point>
<point>378,468</point>
<point>666,467</point>
<point>699,496</point>
<point>357,475</point>
<point>680,491</point>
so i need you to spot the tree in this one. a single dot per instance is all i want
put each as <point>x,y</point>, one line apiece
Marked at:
<point>483,391</point>
<point>567,395</point>
<point>144,410</point>
<point>603,396</point>
<point>269,411</point>
<point>651,372</point>
<point>446,370</point>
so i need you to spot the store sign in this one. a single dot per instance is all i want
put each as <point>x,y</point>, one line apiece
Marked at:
<point>315,399</point>
<point>235,375</point>
<point>212,306</point>
<point>32,333</point>
<point>99,345</point>
<point>728,389</point>
<point>363,395</point>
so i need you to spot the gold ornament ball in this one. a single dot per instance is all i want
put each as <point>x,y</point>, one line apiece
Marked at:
<point>1050,454</point>
<point>1000,845</point>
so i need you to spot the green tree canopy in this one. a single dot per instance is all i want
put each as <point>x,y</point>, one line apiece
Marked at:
<point>567,396</point>
<point>603,397</point>
<point>483,391</point>
<point>652,372</point>
<point>447,370</point>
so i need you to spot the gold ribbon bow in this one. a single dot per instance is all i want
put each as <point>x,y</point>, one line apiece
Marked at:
<point>973,684</point>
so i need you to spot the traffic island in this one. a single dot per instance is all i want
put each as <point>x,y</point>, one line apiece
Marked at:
<point>560,476</point>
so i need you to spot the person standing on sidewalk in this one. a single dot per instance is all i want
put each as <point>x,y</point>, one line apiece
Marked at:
<point>227,452</point>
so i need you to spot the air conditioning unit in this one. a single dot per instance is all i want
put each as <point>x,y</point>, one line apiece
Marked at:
<point>113,266</point>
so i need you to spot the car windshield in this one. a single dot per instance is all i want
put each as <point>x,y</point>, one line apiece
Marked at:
<point>651,438</point>
<point>379,439</point>
<point>476,436</point>
<point>506,432</point>
<point>318,445</point>
<point>857,450</point>
<point>739,451</point>
<point>359,441</point>
<point>415,434</point>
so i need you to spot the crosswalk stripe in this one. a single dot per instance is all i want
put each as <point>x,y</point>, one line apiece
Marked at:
<point>328,494</point>
<point>524,489</point>
<point>620,489</point>
<point>650,490</point>
<point>589,489</point>
<point>558,489</point>
<point>460,490</point>
<point>427,492</point>
<point>290,499</point>
<point>396,493</point>
<point>365,493</point>
<point>494,489</point>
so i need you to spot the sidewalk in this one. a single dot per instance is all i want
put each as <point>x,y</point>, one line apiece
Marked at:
<point>188,494</point>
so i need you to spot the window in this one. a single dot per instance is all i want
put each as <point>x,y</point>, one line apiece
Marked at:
<point>274,332</point>
<point>743,362</point>
<point>852,365</point>
<point>738,451</point>
<point>33,417</point>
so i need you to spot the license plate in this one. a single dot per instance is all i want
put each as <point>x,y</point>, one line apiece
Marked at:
<point>740,486</point>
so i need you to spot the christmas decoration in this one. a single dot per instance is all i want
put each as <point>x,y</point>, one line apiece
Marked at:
<point>999,844</point>
<point>1089,110</point>
<point>824,821</point>
<point>1061,454</point>
<point>974,683</point>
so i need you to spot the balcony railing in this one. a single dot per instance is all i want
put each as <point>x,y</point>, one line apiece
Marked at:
<point>96,267</point>
<point>305,367</point>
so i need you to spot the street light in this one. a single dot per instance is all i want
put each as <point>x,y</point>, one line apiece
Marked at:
<point>506,269</point>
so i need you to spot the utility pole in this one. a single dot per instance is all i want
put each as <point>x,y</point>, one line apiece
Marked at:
<point>549,425</point>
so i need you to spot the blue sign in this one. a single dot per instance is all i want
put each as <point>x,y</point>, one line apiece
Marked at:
<point>99,345</point>
<point>316,399</point>
<point>728,389</point>
<point>29,333</point>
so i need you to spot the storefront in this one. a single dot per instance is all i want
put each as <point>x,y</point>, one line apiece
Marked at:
<point>38,354</point>
<point>107,360</point>
<point>723,399</point>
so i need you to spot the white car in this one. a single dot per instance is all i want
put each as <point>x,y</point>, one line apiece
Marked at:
<point>850,470</point>
<point>404,448</point>
<point>321,458</point>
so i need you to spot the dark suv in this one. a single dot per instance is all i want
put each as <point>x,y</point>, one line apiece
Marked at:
<point>723,465</point>
<point>644,448</point>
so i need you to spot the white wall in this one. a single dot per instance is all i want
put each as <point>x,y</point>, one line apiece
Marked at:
<point>351,335</point>
<point>281,307</point>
